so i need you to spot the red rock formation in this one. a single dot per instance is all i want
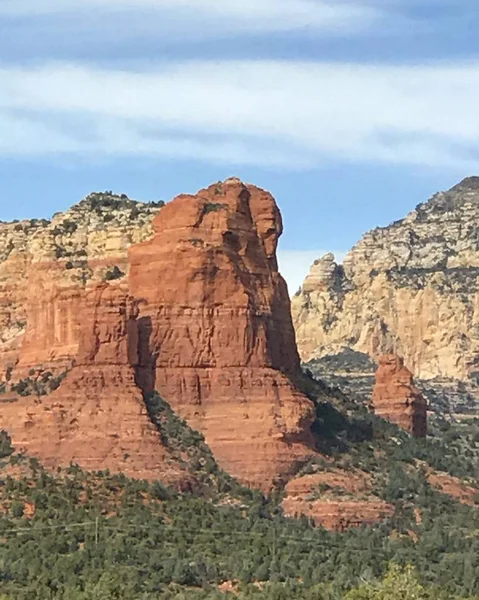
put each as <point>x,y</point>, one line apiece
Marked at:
<point>396,398</point>
<point>97,418</point>
<point>216,335</point>
<point>55,310</point>
<point>13,283</point>
<point>454,487</point>
<point>336,500</point>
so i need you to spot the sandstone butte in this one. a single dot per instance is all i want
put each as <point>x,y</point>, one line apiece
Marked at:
<point>216,334</point>
<point>411,288</point>
<point>396,398</point>
<point>194,307</point>
<point>336,499</point>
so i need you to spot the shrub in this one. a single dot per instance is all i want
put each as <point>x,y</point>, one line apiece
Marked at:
<point>114,273</point>
<point>6,447</point>
<point>213,207</point>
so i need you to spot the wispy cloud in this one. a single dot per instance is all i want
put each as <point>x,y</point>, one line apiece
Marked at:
<point>201,15</point>
<point>275,113</point>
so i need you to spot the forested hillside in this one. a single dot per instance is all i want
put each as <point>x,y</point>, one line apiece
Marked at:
<point>77,536</point>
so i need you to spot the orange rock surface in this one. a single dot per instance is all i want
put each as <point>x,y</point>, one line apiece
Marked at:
<point>47,266</point>
<point>396,398</point>
<point>454,487</point>
<point>336,500</point>
<point>216,334</point>
<point>97,417</point>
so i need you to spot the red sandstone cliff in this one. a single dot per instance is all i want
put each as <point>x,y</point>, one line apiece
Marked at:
<point>216,336</point>
<point>47,266</point>
<point>396,398</point>
<point>97,417</point>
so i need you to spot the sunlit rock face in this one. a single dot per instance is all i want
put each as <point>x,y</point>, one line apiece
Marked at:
<point>397,399</point>
<point>115,298</point>
<point>411,288</point>
<point>217,339</point>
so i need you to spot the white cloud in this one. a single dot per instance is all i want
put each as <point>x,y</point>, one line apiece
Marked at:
<point>295,114</point>
<point>294,265</point>
<point>202,15</point>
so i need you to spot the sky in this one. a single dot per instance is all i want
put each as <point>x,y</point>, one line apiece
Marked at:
<point>350,112</point>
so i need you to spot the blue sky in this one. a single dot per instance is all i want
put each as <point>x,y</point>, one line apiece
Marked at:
<point>350,112</point>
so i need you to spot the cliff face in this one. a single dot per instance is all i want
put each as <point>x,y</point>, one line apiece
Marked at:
<point>410,288</point>
<point>216,335</point>
<point>97,417</point>
<point>396,398</point>
<point>45,268</point>
<point>199,312</point>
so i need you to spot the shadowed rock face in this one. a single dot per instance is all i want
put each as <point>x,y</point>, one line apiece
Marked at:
<point>396,398</point>
<point>217,338</point>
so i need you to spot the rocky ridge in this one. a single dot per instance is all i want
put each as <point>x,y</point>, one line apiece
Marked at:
<point>411,288</point>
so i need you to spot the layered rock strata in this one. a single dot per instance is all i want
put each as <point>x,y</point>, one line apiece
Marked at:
<point>199,312</point>
<point>411,288</point>
<point>47,266</point>
<point>397,399</point>
<point>97,417</point>
<point>336,500</point>
<point>216,337</point>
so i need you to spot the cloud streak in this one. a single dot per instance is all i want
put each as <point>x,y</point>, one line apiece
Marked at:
<point>296,114</point>
<point>233,15</point>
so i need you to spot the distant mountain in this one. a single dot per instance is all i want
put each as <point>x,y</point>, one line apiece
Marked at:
<point>411,288</point>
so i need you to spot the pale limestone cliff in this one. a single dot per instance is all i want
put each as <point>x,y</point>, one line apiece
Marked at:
<point>411,288</point>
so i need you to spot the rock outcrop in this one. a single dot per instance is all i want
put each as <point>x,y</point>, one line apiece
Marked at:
<point>46,267</point>
<point>411,288</point>
<point>336,500</point>
<point>97,417</point>
<point>216,336</point>
<point>397,399</point>
<point>196,310</point>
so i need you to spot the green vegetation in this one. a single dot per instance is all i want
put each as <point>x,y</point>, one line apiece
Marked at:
<point>113,274</point>
<point>213,207</point>
<point>78,536</point>
<point>189,447</point>
<point>6,448</point>
<point>82,536</point>
<point>99,201</point>
<point>65,228</point>
<point>39,383</point>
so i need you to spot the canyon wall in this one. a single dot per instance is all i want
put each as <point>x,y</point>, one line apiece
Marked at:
<point>411,288</point>
<point>46,267</point>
